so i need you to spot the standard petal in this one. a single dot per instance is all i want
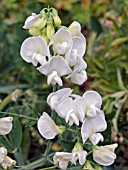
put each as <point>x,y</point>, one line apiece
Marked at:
<point>92,97</point>
<point>79,45</point>
<point>104,157</point>
<point>33,45</point>
<point>64,107</point>
<point>57,64</point>
<point>79,78</point>
<point>30,21</point>
<point>86,130</point>
<point>47,127</point>
<point>61,36</point>
<point>57,97</point>
<point>5,125</point>
<point>111,147</point>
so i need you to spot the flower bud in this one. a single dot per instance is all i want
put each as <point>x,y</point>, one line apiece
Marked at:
<point>50,28</point>
<point>44,35</point>
<point>75,28</point>
<point>40,23</point>
<point>97,167</point>
<point>88,166</point>
<point>15,95</point>
<point>57,20</point>
<point>50,31</point>
<point>62,129</point>
<point>34,31</point>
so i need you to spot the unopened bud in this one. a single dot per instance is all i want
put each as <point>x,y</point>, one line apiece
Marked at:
<point>40,23</point>
<point>88,166</point>
<point>97,167</point>
<point>44,35</point>
<point>75,28</point>
<point>57,20</point>
<point>50,31</point>
<point>15,95</point>
<point>62,129</point>
<point>34,31</point>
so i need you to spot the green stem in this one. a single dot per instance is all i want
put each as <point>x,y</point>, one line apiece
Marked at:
<point>34,164</point>
<point>20,116</point>
<point>52,167</point>
<point>77,131</point>
<point>71,130</point>
<point>5,102</point>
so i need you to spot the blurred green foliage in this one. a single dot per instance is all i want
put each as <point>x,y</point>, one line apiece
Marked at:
<point>105,26</point>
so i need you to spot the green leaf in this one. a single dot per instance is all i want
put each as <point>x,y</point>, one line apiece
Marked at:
<point>120,81</point>
<point>15,136</point>
<point>119,41</point>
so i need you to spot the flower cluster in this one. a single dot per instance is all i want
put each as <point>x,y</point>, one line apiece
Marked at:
<point>5,128</point>
<point>85,112</point>
<point>62,56</point>
<point>57,51</point>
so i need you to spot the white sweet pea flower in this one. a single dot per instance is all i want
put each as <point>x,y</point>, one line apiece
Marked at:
<point>61,41</point>
<point>34,50</point>
<point>90,127</point>
<point>62,159</point>
<point>77,50</point>
<point>89,105</point>
<point>78,154</point>
<point>104,155</point>
<point>67,110</point>
<point>79,76</point>
<point>57,97</point>
<point>5,161</point>
<point>3,153</point>
<point>30,21</point>
<point>75,29</point>
<point>5,125</point>
<point>55,68</point>
<point>47,127</point>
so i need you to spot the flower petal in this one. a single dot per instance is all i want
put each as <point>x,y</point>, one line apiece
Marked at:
<point>95,138</point>
<point>47,127</point>
<point>3,153</point>
<point>58,64</point>
<point>99,123</point>
<point>86,130</point>
<point>33,45</point>
<point>57,97</point>
<point>61,36</point>
<point>5,125</point>
<point>30,21</point>
<point>103,156</point>
<point>92,97</point>
<point>64,107</point>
